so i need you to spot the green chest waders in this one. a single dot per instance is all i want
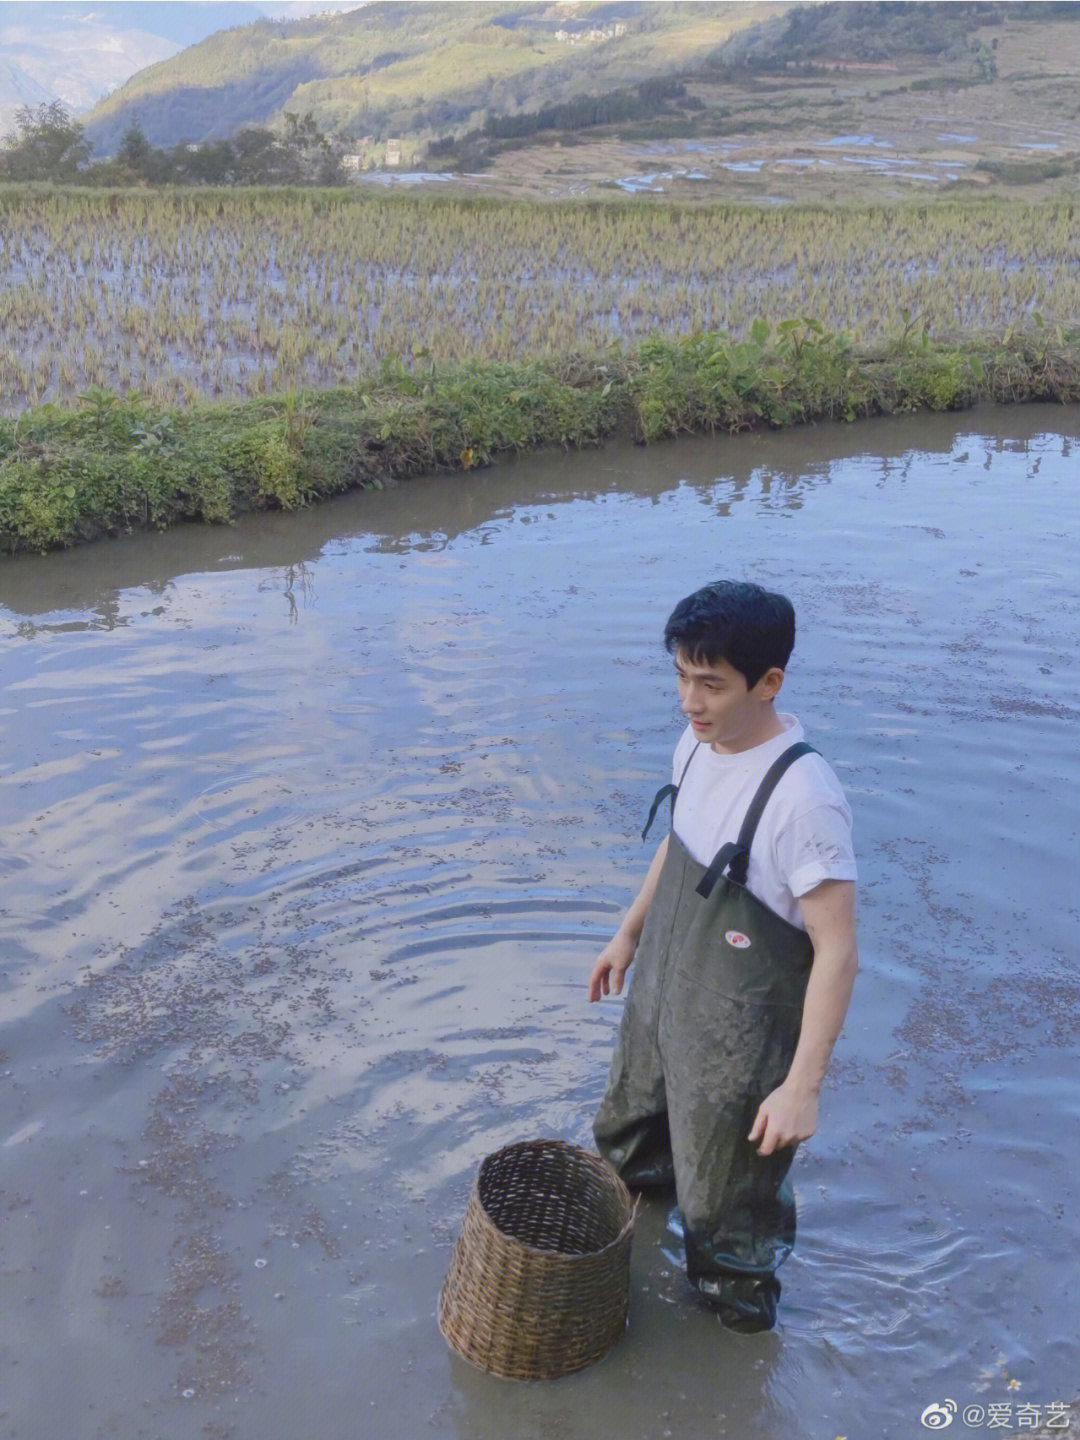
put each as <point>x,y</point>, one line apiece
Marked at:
<point>709,1028</point>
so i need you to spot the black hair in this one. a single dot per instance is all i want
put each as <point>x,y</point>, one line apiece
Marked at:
<point>751,628</point>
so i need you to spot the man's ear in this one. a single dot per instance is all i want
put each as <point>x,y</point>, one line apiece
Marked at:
<point>769,684</point>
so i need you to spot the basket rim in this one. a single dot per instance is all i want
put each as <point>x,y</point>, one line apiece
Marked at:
<point>560,1256</point>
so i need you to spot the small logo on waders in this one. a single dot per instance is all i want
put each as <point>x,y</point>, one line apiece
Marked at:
<point>738,939</point>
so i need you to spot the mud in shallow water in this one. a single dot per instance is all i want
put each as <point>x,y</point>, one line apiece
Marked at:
<point>313,828</point>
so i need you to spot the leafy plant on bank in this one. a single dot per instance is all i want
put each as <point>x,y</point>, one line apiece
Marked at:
<point>799,371</point>
<point>121,463</point>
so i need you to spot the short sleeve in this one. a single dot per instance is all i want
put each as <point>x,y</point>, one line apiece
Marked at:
<point>816,846</point>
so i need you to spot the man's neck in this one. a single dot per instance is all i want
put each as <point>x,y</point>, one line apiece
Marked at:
<point>771,727</point>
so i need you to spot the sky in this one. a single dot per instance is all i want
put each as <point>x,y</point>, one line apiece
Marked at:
<point>182,22</point>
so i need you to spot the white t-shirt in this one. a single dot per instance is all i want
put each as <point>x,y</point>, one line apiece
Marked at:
<point>804,835</point>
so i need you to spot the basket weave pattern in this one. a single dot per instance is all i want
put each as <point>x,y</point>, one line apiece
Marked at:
<point>539,1281</point>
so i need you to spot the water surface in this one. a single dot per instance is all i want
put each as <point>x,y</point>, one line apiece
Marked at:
<point>313,827</point>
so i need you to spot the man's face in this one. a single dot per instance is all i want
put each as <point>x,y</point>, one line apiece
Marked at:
<point>724,711</point>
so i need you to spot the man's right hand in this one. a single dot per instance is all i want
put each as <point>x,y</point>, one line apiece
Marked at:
<point>607,973</point>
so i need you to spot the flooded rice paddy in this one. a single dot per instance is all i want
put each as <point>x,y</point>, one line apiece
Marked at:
<point>313,827</point>
<point>201,296</point>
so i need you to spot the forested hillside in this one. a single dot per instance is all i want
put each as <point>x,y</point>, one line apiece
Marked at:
<point>430,73</point>
<point>423,70</point>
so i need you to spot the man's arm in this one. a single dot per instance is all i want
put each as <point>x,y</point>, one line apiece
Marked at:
<point>607,973</point>
<point>789,1113</point>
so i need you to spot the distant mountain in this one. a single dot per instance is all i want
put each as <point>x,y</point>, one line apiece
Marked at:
<point>79,52</point>
<point>68,53</point>
<point>421,70</point>
<point>18,87</point>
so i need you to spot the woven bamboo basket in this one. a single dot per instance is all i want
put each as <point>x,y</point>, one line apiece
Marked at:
<point>539,1281</point>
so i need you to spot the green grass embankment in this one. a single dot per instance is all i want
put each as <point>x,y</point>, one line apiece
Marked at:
<point>115,465</point>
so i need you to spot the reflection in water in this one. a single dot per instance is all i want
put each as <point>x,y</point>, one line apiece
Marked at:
<point>416,517</point>
<point>313,826</point>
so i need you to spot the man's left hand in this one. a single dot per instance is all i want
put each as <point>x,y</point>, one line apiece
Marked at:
<point>786,1116</point>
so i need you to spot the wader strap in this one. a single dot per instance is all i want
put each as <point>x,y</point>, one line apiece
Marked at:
<point>661,796</point>
<point>736,855</point>
<point>663,793</point>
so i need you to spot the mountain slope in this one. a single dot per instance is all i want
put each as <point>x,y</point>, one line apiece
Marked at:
<point>414,69</point>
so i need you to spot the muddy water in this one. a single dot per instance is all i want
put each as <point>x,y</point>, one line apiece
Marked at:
<point>312,830</point>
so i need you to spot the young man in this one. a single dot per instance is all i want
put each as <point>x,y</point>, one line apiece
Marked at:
<point>744,938</point>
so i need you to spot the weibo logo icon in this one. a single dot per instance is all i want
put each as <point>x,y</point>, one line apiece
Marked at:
<point>737,939</point>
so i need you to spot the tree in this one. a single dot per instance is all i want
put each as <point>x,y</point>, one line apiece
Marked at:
<point>214,163</point>
<point>45,145</point>
<point>985,63</point>
<point>135,151</point>
<point>261,159</point>
<point>314,159</point>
